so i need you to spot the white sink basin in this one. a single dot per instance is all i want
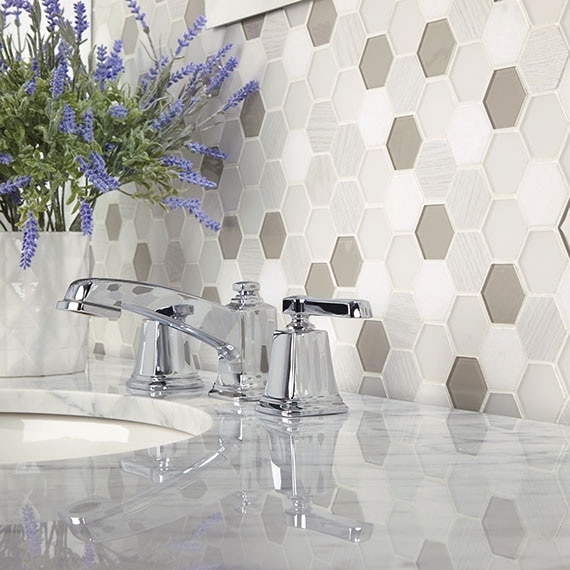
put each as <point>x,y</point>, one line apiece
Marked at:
<point>32,437</point>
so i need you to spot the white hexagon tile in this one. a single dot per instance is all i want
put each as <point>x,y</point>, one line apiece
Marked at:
<point>414,152</point>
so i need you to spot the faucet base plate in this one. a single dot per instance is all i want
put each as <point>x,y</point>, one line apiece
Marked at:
<point>238,393</point>
<point>302,407</point>
<point>160,386</point>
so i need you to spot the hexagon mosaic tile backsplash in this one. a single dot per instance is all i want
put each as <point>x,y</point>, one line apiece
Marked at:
<point>411,152</point>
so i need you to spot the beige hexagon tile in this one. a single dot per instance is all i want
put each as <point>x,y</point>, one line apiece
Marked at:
<point>435,108</point>
<point>468,18</point>
<point>297,53</point>
<point>468,324</point>
<point>544,125</point>
<point>375,118</point>
<point>374,234</point>
<point>435,168</point>
<point>321,21</point>
<point>322,73</point>
<point>469,199</point>
<point>401,375</point>
<point>402,321</point>
<point>540,393</point>
<point>506,20</point>
<point>505,162</point>
<point>504,229</point>
<point>434,291</point>
<point>373,284</point>
<point>375,175</point>
<point>403,202</point>
<point>405,83</point>
<point>403,261</point>
<point>468,260</point>
<point>540,328</point>
<point>348,40</point>
<point>469,133</point>
<point>406,27</point>
<point>502,369</point>
<point>540,13</point>
<point>296,209</point>
<point>434,353</point>
<point>347,95</point>
<point>470,72</point>
<point>543,261</point>
<point>544,58</point>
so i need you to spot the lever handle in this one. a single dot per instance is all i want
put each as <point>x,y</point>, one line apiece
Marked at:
<point>310,306</point>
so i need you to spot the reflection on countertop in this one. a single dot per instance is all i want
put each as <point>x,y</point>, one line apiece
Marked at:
<point>389,485</point>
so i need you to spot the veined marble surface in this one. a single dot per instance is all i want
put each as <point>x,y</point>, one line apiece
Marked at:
<point>390,485</point>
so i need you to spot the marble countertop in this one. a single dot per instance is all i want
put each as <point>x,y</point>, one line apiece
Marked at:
<point>388,485</point>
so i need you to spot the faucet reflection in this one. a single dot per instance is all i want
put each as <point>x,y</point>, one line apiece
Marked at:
<point>302,454</point>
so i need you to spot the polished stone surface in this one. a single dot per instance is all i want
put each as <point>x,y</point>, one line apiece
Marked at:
<point>389,485</point>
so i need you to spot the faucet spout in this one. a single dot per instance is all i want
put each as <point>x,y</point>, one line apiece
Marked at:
<point>199,318</point>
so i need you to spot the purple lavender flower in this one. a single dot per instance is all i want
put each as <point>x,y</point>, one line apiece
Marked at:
<point>58,77</point>
<point>108,66</point>
<point>29,245</point>
<point>118,111</point>
<point>168,116</point>
<point>67,123</point>
<point>190,34</point>
<point>96,174</point>
<point>185,171</point>
<point>204,150</point>
<point>85,129</point>
<point>81,24</point>
<point>214,60</point>
<point>88,558</point>
<point>243,92</point>
<point>30,86</point>
<point>188,70</point>
<point>139,16</point>
<point>86,215</point>
<point>223,73</point>
<point>193,207</point>
<point>6,158</point>
<point>15,8</point>
<point>53,13</point>
<point>14,185</point>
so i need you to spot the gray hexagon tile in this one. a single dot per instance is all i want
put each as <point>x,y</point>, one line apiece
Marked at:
<point>230,237</point>
<point>376,61</point>
<point>504,98</point>
<point>272,235</point>
<point>373,346</point>
<point>503,293</point>
<point>404,142</point>
<point>503,528</point>
<point>436,48</point>
<point>320,281</point>
<point>434,232</point>
<point>321,22</point>
<point>466,384</point>
<point>346,261</point>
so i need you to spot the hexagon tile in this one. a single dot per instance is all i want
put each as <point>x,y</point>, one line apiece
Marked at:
<point>403,151</point>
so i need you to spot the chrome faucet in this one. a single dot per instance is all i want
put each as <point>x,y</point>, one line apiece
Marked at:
<point>161,364</point>
<point>301,380</point>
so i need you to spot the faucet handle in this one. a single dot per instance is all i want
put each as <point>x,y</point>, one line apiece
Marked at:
<point>301,379</point>
<point>311,306</point>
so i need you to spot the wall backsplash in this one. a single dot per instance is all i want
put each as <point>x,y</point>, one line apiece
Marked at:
<point>411,152</point>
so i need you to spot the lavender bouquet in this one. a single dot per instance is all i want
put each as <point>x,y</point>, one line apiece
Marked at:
<point>72,130</point>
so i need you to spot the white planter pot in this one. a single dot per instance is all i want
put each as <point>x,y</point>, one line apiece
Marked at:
<point>35,338</point>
